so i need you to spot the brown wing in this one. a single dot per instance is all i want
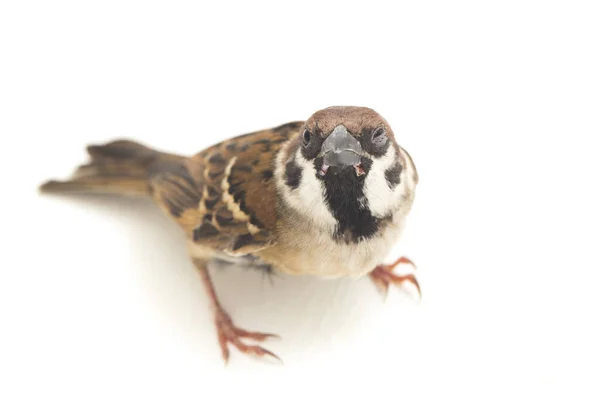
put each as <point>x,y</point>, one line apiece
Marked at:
<point>225,197</point>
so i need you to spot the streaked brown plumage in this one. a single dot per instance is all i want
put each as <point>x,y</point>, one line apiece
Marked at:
<point>326,197</point>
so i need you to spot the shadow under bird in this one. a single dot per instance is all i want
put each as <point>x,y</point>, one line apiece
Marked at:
<point>327,197</point>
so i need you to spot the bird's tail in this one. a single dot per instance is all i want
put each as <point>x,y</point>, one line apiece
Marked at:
<point>120,167</point>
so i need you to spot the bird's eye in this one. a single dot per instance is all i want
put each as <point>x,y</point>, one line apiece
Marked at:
<point>306,136</point>
<point>378,137</point>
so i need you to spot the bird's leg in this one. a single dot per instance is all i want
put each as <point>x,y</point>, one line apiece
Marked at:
<point>383,275</point>
<point>227,332</point>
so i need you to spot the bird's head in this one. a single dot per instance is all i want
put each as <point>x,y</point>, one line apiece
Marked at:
<point>346,170</point>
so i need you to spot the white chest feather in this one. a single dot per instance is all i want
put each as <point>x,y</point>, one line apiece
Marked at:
<point>315,253</point>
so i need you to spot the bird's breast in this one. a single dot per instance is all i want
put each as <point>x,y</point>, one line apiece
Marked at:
<point>302,251</point>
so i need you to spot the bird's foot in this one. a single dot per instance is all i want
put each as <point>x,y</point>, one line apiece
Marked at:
<point>383,275</point>
<point>229,333</point>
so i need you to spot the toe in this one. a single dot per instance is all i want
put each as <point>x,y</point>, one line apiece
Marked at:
<point>224,348</point>
<point>258,336</point>
<point>401,260</point>
<point>399,280</point>
<point>261,352</point>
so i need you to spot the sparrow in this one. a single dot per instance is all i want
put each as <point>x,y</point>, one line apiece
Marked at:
<point>326,197</point>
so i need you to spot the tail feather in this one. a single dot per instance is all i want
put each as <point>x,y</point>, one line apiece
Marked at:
<point>120,167</point>
<point>111,185</point>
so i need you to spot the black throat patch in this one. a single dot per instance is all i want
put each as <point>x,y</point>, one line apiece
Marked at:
<point>347,202</point>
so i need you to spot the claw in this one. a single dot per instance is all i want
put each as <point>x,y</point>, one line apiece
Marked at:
<point>383,275</point>
<point>273,355</point>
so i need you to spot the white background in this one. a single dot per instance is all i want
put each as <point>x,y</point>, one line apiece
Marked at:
<point>498,103</point>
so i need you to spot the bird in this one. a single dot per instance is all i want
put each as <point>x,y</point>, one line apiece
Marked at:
<point>328,196</point>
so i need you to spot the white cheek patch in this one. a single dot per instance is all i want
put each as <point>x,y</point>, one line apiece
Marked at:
<point>309,197</point>
<point>382,199</point>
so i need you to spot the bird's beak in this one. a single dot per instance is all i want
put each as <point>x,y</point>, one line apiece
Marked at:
<point>341,149</point>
